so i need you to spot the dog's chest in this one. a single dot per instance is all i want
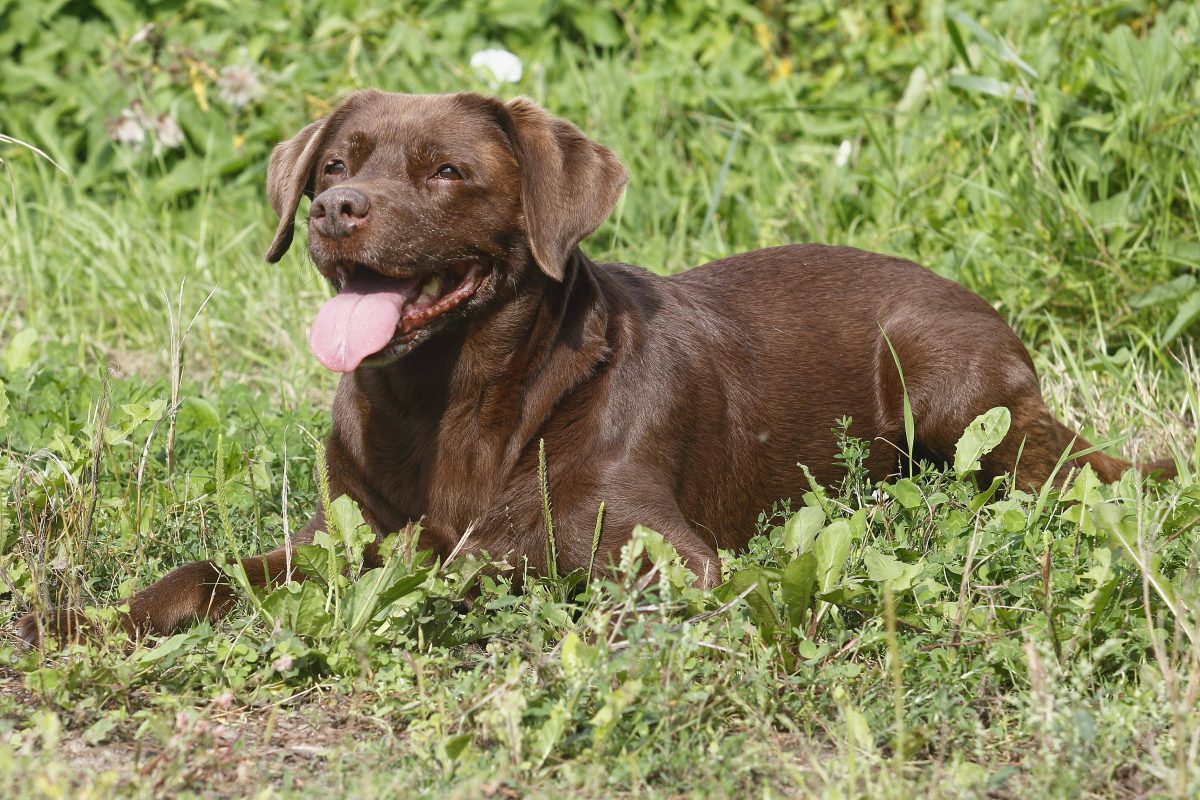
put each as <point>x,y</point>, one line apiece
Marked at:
<point>446,471</point>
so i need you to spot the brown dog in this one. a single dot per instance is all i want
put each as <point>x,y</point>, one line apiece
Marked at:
<point>469,326</point>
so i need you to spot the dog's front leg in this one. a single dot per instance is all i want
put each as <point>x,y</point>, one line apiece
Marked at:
<point>200,590</point>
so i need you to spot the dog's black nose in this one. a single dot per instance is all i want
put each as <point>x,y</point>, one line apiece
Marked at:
<point>339,211</point>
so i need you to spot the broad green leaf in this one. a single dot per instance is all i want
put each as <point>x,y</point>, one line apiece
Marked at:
<point>858,524</point>
<point>376,590</point>
<point>196,413</point>
<point>577,657</point>
<point>762,609</point>
<point>137,413</point>
<point>401,587</point>
<point>658,548</point>
<point>518,14</point>
<point>21,350</point>
<point>166,650</point>
<point>317,561</point>
<point>858,729</point>
<point>454,746</point>
<point>817,496</point>
<point>43,680</point>
<point>1164,293</point>
<point>978,84</point>
<point>1095,602</point>
<point>1084,493</point>
<point>831,549</point>
<point>981,499</point>
<point>802,528</point>
<point>980,438</point>
<point>98,732</point>
<point>1183,251</point>
<point>299,607</point>
<point>1189,312</point>
<point>906,492</point>
<point>664,554</point>
<point>853,596</point>
<point>882,567</point>
<point>545,738</point>
<point>599,25</point>
<point>798,584</point>
<point>348,523</point>
<point>122,14</point>
<point>810,649</point>
<point>607,717</point>
<point>346,516</point>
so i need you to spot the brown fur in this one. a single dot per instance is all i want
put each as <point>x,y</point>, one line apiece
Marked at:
<point>683,403</point>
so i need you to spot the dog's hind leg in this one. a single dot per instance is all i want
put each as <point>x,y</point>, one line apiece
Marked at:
<point>1036,441</point>
<point>952,384</point>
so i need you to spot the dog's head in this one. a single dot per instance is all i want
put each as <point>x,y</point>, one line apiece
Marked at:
<point>423,205</point>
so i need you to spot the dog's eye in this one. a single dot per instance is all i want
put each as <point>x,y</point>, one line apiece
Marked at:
<point>335,167</point>
<point>448,172</point>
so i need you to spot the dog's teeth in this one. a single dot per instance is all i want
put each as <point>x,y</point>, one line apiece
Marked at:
<point>429,290</point>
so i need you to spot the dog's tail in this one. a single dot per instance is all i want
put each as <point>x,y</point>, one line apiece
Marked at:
<point>1162,469</point>
<point>1108,468</point>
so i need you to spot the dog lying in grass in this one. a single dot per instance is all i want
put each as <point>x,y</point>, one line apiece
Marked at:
<point>469,327</point>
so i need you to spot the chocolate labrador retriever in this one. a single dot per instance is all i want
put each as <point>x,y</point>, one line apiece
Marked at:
<point>468,327</point>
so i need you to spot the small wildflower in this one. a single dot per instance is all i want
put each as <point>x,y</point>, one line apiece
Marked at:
<point>500,66</point>
<point>282,664</point>
<point>843,153</point>
<point>224,701</point>
<point>143,34</point>
<point>782,70</point>
<point>126,128</point>
<point>167,132</point>
<point>239,86</point>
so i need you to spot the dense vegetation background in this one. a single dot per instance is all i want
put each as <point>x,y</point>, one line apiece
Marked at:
<point>931,636</point>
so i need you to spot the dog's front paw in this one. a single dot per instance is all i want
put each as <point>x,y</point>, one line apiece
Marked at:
<point>63,624</point>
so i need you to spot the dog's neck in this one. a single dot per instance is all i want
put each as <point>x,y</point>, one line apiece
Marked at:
<point>504,371</point>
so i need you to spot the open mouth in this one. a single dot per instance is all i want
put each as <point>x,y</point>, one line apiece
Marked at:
<point>373,312</point>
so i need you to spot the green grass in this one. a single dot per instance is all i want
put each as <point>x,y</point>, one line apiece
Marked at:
<point>923,638</point>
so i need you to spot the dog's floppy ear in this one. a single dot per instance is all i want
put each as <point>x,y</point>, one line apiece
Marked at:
<point>289,176</point>
<point>569,184</point>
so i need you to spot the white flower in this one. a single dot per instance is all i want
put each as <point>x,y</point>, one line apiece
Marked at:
<point>499,66</point>
<point>131,126</point>
<point>843,153</point>
<point>239,85</point>
<point>167,132</point>
<point>143,34</point>
<point>126,128</point>
<point>282,664</point>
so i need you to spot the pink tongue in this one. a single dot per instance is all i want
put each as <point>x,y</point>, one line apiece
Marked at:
<point>358,322</point>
